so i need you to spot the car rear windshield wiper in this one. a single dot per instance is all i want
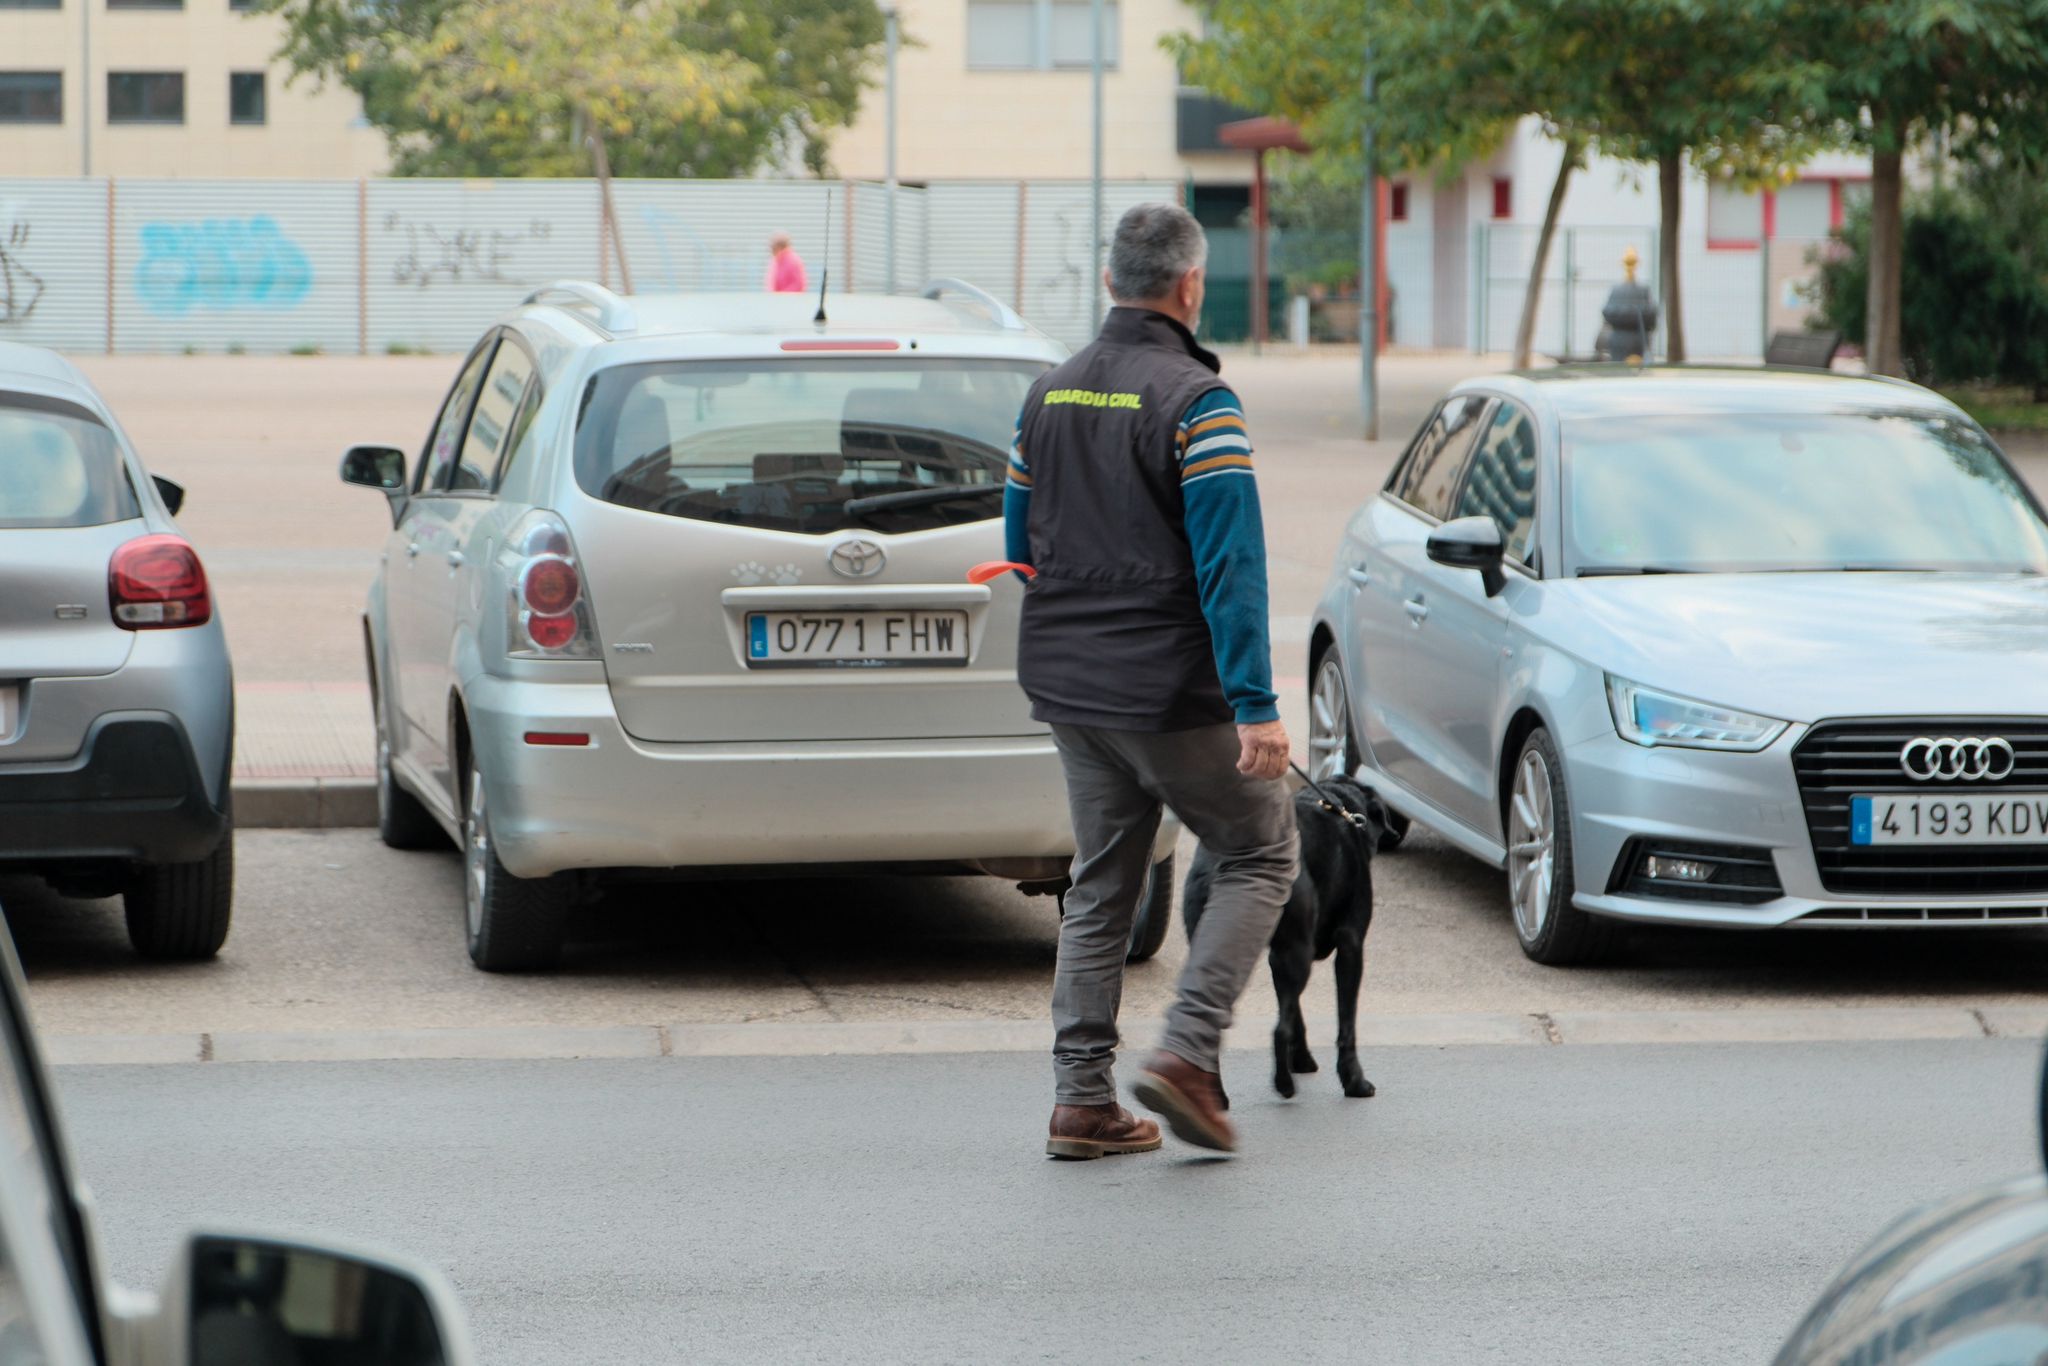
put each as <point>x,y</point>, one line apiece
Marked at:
<point>917,498</point>
<point>1609,571</point>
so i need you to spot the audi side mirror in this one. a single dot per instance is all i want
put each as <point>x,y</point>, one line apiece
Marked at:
<point>232,1298</point>
<point>377,467</point>
<point>171,491</point>
<point>1471,543</point>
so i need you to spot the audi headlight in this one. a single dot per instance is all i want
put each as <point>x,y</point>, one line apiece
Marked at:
<point>1649,717</point>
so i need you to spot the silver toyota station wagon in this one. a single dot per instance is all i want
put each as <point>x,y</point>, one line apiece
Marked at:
<point>679,585</point>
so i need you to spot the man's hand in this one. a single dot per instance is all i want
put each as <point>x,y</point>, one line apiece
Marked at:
<point>1266,749</point>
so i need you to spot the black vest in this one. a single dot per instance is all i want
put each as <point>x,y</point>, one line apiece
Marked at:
<point>1113,633</point>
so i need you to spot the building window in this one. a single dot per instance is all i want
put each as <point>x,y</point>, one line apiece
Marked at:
<point>1503,196</point>
<point>239,5</point>
<point>1735,217</point>
<point>245,97</point>
<point>1397,202</point>
<point>1038,35</point>
<point>145,97</point>
<point>31,4</point>
<point>31,97</point>
<point>144,4</point>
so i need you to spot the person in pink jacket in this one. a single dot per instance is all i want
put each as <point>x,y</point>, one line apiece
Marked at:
<point>785,267</point>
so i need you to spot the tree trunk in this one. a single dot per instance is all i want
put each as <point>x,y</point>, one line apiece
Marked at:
<point>1525,334</point>
<point>1883,342</point>
<point>1670,188</point>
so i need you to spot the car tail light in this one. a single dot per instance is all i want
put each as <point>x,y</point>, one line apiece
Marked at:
<point>156,583</point>
<point>548,612</point>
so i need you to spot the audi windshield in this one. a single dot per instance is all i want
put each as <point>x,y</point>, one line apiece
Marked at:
<point>1770,492</point>
<point>885,444</point>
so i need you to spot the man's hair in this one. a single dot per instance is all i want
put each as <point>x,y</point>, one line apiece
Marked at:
<point>1155,244</point>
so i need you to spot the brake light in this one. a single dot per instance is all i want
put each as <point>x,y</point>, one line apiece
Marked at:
<point>156,583</point>
<point>548,611</point>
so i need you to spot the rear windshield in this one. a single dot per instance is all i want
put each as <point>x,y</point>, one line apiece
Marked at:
<point>787,445</point>
<point>59,466</point>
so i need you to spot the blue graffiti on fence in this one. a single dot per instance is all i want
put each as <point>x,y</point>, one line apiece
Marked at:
<point>714,269</point>
<point>220,263</point>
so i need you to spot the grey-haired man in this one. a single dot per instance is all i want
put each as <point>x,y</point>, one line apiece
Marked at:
<point>1144,645</point>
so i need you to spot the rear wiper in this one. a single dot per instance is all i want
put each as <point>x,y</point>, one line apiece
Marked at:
<point>916,498</point>
<point>1609,571</point>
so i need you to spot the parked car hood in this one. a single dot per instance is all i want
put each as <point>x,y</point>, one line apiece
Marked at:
<point>1807,647</point>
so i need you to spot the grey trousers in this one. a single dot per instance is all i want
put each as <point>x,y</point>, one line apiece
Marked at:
<point>1117,783</point>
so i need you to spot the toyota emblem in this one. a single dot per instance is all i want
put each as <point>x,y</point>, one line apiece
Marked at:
<point>1958,759</point>
<point>857,559</point>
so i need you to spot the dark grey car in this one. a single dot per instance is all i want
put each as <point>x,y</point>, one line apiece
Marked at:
<point>116,697</point>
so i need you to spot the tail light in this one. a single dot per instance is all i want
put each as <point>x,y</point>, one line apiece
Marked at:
<point>548,612</point>
<point>156,583</point>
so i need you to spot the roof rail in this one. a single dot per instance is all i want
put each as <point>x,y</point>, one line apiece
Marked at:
<point>612,313</point>
<point>1005,316</point>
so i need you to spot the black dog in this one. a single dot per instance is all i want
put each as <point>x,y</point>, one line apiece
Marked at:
<point>1328,912</point>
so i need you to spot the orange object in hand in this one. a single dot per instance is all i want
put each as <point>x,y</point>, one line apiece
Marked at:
<point>994,569</point>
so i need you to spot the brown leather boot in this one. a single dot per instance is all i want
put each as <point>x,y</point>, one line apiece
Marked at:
<point>1190,1099</point>
<point>1084,1131</point>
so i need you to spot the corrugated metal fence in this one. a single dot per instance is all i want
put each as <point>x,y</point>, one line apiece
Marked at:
<point>377,265</point>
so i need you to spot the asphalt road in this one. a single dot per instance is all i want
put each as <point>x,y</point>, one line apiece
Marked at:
<point>1626,1205</point>
<point>335,932</point>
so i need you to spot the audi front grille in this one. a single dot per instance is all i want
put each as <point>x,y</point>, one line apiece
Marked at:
<point>1840,760</point>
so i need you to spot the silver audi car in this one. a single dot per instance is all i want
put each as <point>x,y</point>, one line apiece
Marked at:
<point>1739,648</point>
<point>679,585</point>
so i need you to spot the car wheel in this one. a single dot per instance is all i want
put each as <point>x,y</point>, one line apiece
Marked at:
<point>179,912</point>
<point>1540,881</point>
<point>1331,750</point>
<point>1155,913</point>
<point>403,821</point>
<point>516,924</point>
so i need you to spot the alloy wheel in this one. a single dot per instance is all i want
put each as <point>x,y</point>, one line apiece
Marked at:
<point>1532,846</point>
<point>1329,723</point>
<point>476,854</point>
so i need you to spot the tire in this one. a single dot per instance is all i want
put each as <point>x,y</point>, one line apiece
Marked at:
<point>1550,929</point>
<point>179,912</point>
<point>403,821</point>
<point>1331,743</point>
<point>515,924</point>
<point>1155,913</point>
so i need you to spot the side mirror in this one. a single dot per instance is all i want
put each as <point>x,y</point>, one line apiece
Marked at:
<point>233,1299</point>
<point>377,467</point>
<point>1471,543</point>
<point>171,491</point>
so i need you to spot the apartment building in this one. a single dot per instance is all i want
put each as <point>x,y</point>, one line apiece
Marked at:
<point>183,88</point>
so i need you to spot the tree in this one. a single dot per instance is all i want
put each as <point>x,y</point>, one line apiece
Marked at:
<point>1897,72</point>
<point>701,87</point>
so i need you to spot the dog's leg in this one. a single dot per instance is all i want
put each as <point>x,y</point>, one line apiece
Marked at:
<point>1350,976</point>
<point>1299,1059</point>
<point>1290,966</point>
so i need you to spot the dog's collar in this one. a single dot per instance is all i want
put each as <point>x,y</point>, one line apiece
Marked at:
<point>1327,802</point>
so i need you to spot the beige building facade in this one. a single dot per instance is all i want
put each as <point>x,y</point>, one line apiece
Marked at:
<point>166,88</point>
<point>1001,88</point>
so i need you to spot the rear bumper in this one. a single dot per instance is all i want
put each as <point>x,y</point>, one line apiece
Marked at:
<point>996,804</point>
<point>133,791</point>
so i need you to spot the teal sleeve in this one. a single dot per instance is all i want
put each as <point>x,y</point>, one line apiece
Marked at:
<point>1220,501</point>
<point>1017,505</point>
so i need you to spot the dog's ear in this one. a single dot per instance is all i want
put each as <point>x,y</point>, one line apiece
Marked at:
<point>1375,817</point>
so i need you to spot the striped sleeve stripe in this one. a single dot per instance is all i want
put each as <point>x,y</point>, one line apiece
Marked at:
<point>1215,463</point>
<point>1227,443</point>
<point>1217,422</point>
<point>1018,479</point>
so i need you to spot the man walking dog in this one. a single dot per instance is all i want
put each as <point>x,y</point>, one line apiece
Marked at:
<point>1144,645</point>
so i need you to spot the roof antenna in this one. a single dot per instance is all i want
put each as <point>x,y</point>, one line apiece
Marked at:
<point>824,259</point>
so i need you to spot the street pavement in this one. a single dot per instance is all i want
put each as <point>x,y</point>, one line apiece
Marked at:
<point>1600,1205</point>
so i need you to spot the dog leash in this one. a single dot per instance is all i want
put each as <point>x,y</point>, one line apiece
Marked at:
<point>1326,801</point>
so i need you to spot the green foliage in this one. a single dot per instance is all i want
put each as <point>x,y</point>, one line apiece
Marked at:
<point>1974,299</point>
<point>1318,207</point>
<point>674,87</point>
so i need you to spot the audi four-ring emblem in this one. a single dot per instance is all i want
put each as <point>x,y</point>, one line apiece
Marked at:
<point>1957,759</point>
